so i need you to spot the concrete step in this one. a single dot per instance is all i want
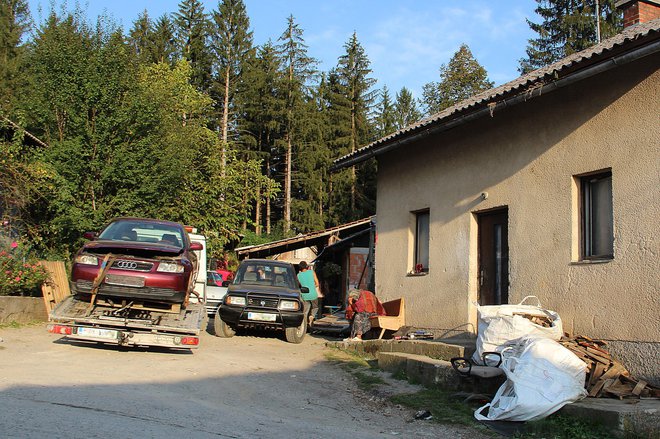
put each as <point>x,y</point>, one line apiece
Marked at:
<point>419,369</point>
<point>628,417</point>
<point>432,349</point>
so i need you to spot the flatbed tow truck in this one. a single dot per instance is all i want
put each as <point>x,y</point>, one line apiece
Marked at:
<point>114,280</point>
<point>128,326</point>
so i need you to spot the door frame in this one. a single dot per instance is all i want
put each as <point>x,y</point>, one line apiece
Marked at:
<point>503,271</point>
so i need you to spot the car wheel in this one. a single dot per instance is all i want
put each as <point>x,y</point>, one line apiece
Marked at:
<point>296,334</point>
<point>222,329</point>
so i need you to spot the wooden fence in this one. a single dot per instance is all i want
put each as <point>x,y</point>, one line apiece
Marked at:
<point>56,288</point>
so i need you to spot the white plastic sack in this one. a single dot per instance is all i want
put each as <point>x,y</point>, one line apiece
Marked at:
<point>499,324</point>
<point>542,377</point>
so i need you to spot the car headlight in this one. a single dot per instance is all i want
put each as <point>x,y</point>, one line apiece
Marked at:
<point>290,305</point>
<point>170,267</point>
<point>235,300</point>
<point>87,260</point>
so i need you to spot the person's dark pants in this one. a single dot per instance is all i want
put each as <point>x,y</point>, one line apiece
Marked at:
<point>311,308</point>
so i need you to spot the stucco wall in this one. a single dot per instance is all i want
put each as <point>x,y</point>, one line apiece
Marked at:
<point>526,158</point>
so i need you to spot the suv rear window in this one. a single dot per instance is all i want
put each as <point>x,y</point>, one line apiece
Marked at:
<point>260,273</point>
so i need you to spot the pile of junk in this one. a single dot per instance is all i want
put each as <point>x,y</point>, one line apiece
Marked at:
<point>543,370</point>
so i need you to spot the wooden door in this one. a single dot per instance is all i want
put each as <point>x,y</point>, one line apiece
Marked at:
<point>493,235</point>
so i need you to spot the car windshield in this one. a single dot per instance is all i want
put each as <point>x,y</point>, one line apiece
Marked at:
<point>144,231</point>
<point>263,273</point>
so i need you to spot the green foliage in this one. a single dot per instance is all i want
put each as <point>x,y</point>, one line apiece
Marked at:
<point>14,21</point>
<point>461,78</point>
<point>385,118</point>
<point>568,26</point>
<point>351,100</point>
<point>20,274</point>
<point>192,33</point>
<point>405,109</point>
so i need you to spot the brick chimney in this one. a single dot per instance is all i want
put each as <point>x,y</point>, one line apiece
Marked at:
<point>638,11</point>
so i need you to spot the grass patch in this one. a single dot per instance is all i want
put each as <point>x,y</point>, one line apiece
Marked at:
<point>444,407</point>
<point>400,375</point>
<point>16,325</point>
<point>564,427</point>
<point>362,369</point>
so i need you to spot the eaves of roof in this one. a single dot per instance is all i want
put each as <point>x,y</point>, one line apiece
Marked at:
<point>632,43</point>
<point>300,241</point>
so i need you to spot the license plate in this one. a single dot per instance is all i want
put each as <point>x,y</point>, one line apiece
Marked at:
<point>98,333</point>
<point>124,281</point>
<point>262,316</point>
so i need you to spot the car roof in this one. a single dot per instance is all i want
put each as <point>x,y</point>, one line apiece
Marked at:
<point>266,261</point>
<point>147,220</point>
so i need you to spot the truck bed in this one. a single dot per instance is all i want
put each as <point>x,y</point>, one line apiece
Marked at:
<point>128,327</point>
<point>71,310</point>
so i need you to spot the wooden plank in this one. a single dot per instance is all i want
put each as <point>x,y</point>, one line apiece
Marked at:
<point>597,372</point>
<point>637,390</point>
<point>56,288</point>
<point>597,388</point>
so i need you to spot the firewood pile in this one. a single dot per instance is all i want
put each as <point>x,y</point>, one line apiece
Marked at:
<point>607,377</point>
<point>540,320</point>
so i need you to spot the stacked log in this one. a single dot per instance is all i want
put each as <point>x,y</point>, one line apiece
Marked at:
<point>606,377</point>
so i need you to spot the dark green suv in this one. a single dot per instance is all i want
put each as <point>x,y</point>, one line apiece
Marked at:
<point>265,294</point>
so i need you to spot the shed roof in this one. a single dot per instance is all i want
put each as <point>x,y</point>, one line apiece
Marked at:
<point>632,43</point>
<point>319,238</point>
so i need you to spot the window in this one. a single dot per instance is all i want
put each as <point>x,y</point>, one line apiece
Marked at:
<point>597,216</point>
<point>421,242</point>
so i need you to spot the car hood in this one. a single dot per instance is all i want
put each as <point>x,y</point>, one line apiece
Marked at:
<point>263,289</point>
<point>146,249</point>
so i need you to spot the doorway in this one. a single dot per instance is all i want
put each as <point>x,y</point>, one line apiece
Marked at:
<point>493,257</point>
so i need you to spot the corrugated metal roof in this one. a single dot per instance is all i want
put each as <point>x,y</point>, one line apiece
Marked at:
<point>300,241</point>
<point>630,37</point>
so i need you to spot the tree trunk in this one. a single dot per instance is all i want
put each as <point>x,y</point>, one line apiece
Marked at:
<point>268,212</point>
<point>257,212</point>
<point>353,176</point>
<point>224,127</point>
<point>287,186</point>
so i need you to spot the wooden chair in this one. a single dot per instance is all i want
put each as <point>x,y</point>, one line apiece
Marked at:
<point>395,318</point>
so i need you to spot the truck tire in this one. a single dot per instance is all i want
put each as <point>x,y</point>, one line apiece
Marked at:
<point>296,334</point>
<point>222,329</point>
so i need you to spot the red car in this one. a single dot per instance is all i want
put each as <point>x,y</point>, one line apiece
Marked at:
<point>149,260</point>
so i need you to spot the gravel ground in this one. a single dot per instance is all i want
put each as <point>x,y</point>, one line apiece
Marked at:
<point>243,387</point>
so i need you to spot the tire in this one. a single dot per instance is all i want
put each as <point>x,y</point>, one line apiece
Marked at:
<point>222,329</point>
<point>296,334</point>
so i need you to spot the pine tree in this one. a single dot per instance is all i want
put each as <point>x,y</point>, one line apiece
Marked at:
<point>298,69</point>
<point>14,22</point>
<point>192,31</point>
<point>460,79</point>
<point>568,26</point>
<point>385,116</point>
<point>232,45</point>
<point>139,37</point>
<point>352,102</point>
<point>162,47</point>
<point>263,121</point>
<point>405,109</point>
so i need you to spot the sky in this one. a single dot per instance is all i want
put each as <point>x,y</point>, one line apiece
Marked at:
<point>406,40</point>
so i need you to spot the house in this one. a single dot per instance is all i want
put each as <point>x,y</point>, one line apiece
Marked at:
<point>548,185</point>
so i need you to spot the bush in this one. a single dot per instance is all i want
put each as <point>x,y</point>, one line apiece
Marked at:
<point>20,275</point>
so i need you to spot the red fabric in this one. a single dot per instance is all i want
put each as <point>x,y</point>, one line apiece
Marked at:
<point>367,303</point>
<point>226,274</point>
